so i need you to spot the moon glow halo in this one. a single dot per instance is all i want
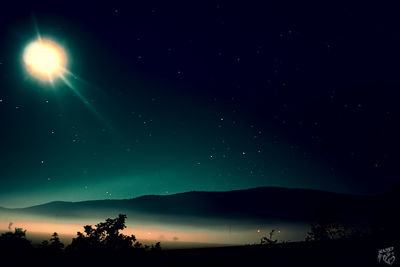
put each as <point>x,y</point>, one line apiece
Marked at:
<point>45,59</point>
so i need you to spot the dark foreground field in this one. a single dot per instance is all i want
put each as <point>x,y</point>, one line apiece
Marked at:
<point>329,253</point>
<point>340,253</point>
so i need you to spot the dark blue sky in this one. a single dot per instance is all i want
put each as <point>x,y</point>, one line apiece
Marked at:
<point>210,96</point>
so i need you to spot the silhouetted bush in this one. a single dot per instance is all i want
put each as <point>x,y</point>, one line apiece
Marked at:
<point>54,246</point>
<point>55,243</point>
<point>326,231</point>
<point>15,241</point>
<point>106,236</point>
<point>156,247</point>
<point>267,240</point>
<point>327,226</point>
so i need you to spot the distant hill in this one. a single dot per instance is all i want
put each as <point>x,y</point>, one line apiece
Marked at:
<point>263,203</point>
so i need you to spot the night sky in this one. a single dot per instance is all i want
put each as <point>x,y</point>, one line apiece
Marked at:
<point>165,97</point>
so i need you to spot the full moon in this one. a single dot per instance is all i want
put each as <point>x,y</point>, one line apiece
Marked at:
<point>45,59</point>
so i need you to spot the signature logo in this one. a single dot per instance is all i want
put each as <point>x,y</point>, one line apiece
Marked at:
<point>386,255</point>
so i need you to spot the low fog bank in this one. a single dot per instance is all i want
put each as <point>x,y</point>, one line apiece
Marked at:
<point>171,231</point>
<point>233,217</point>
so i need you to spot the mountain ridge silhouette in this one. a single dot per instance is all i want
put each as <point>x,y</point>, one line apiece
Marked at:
<point>273,203</point>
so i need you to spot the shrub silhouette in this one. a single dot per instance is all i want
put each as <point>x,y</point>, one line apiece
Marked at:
<point>156,247</point>
<point>54,246</point>
<point>44,245</point>
<point>326,231</point>
<point>15,241</point>
<point>55,243</point>
<point>327,226</point>
<point>105,236</point>
<point>268,240</point>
